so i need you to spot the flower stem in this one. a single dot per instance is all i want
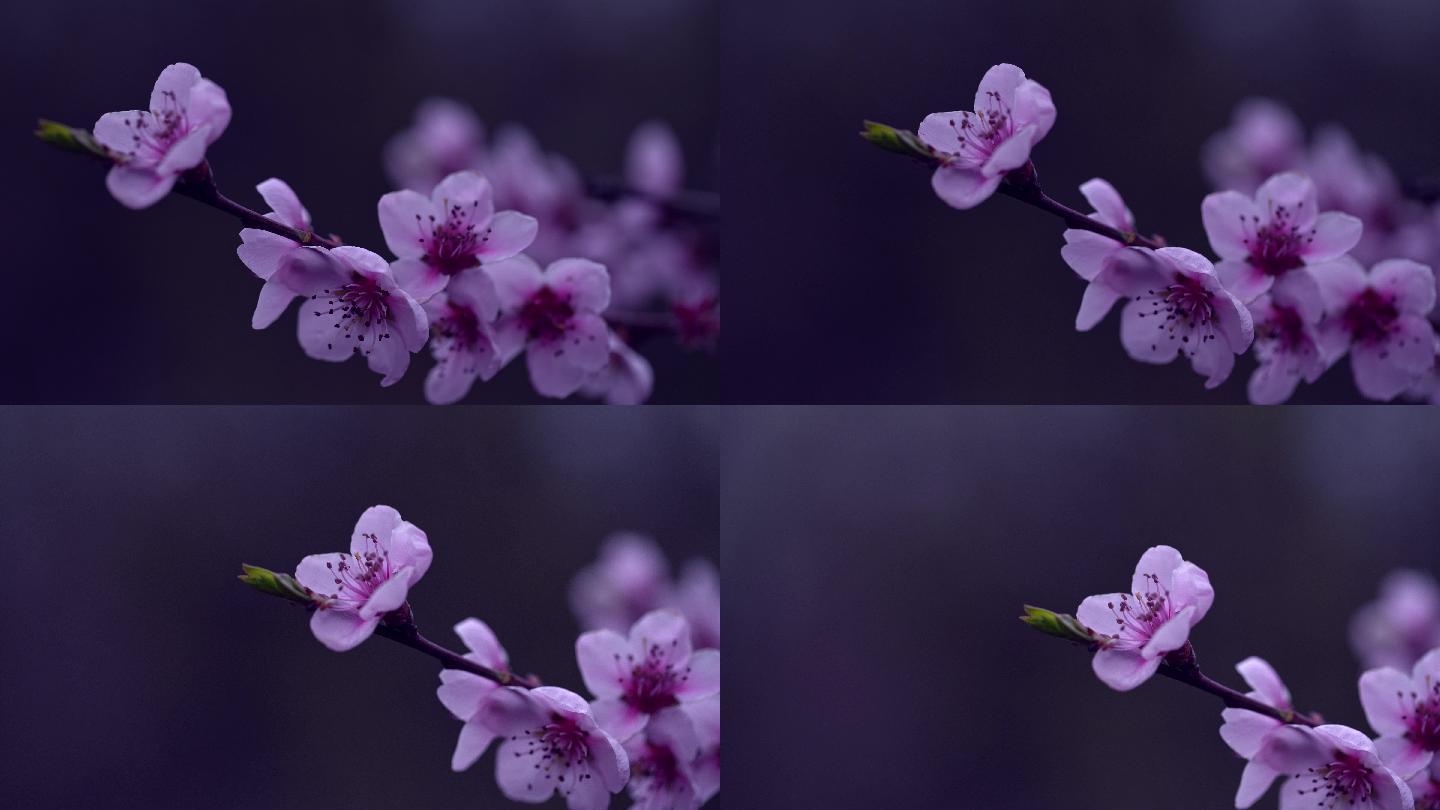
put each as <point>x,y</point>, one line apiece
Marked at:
<point>1191,675</point>
<point>1180,665</point>
<point>398,625</point>
<point>1021,184</point>
<point>687,203</point>
<point>409,635</point>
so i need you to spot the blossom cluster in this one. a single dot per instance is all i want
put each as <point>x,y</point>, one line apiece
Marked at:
<point>652,727</point>
<point>1288,229</point>
<point>468,237</point>
<point>1138,632</point>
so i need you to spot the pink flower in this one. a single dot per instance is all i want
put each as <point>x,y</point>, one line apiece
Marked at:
<point>354,591</point>
<point>1286,338</point>
<point>653,669</point>
<point>1405,710</point>
<point>554,317</point>
<point>1400,626</point>
<point>462,324</point>
<point>447,137</point>
<point>1088,252</point>
<point>976,149</point>
<point>1330,766</point>
<point>626,379</point>
<point>270,256</point>
<point>355,307</point>
<point>154,147</point>
<point>552,744</point>
<point>1380,318</point>
<point>662,763</point>
<point>1138,629</point>
<point>1245,731</point>
<point>631,578</point>
<point>463,692</point>
<point>1264,138</point>
<point>1278,231</point>
<point>456,229</point>
<point>1177,306</point>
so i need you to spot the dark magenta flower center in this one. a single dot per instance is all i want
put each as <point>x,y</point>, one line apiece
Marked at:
<point>1344,780</point>
<point>563,743</point>
<point>359,573</point>
<point>360,308</point>
<point>452,243</point>
<point>1276,247</point>
<point>154,134</point>
<point>1422,723</point>
<point>1139,615</point>
<point>659,766</point>
<point>547,315</point>
<point>1370,317</point>
<point>1285,327</point>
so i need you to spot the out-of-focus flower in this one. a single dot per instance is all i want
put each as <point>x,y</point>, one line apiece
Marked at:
<point>1426,787</point>
<point>1329,764</point>
<point>446,137</point>
<point>1088,252</point>
<point>1404,709</point>
<point>545,186</point>
<point>652,669</point>
<point>654,164</point>
<point>1401,625</point>
<point>1243,730</point>
<point>552,744</point>
<point>662,760</point>
<point>455,229</point>
<point>462,692</point>
<point>1264,138</point>
<point>355,590</point>
<point>1168,596</point>
<point>153,147</point>
<point>1280,230</point>
<point>1177,306</point>
<point>976,149</point>
<point>1286,338</point>
<point>697,595</point>
<point>462,338</point>
<point>1379,318</point>
<point>626,379</point>
<point>631,578</point>
<point>355,307</point>
<point>554,317</point>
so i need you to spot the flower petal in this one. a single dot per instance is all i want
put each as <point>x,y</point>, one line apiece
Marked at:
<point>515,279</point>
<point>1263,678</point>
<point>602,655</point>
<point>474,739</point>
<point>136,187</point>
<point>1229,217</point>
<point>508,233</point>
<point>1335,235</point>
<point>585,283</point>
<point>1172,635</point>
<point>1123,670</point>
<point>1108,204</point>
<point>283,201</point>
<point>274,298</point>
<point>405,220</point>
<point>1411,283</point>
<point>963,188</point>
<point>483,645</point>
<point>1382,694</point>
<point>341,630</point>
<point>1291,192</point>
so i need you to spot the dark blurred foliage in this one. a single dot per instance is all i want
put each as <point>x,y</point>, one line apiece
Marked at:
<point>884,555</point>
<point>138,672</point>
<point>854,283</point>
<point>110,305</point>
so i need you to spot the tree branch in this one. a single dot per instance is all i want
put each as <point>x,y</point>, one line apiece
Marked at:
<point>1021,184</point>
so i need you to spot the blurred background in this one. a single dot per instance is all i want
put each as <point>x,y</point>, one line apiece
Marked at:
<point>154,306</point>
<point>859,285</point>
<point>885,554</point>
<point>137,671</point>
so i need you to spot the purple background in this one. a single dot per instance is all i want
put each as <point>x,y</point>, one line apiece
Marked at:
<point>884,554</point>
<point>113,306</point>
<point>138,673</point>
<point>854,283</point>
